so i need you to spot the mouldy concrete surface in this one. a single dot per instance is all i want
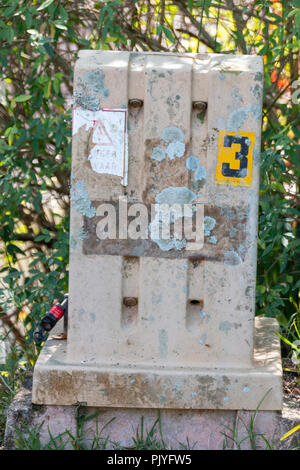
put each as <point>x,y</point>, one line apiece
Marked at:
<point>173,157</point>
<point>195,429</point>
<point>188,341</point>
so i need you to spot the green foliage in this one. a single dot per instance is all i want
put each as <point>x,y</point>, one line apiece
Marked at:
<point>35,153</point>
<point>294,344</point>
<point>278,241</point>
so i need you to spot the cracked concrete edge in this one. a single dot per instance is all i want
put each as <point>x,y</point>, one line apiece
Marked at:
<point>272,424</point>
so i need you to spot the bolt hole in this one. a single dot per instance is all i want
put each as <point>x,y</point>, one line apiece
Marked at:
<point>130,301</point>
<point>195,302</point>
<point>200,105</point>
<point>135,103</point>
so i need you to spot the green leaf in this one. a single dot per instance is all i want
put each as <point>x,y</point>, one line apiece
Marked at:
<point>168,33</point>
<point>39,238</point>
<point>10,34</point>
<point>261,289</point>
<point>159,29</point>
<point>297,19</point>
<point>48,49</point>
<point>284,339</point>
<point>8,11</point>
<point>22,98</point>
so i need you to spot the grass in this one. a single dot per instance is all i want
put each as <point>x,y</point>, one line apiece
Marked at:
<point>235,438</point>
<point>252,437</point>
<point>29,438</point>
<point>239,436</point>
<point>254,440</point>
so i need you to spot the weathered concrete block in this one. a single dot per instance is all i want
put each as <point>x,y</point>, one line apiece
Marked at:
<point>116,427</point>
<point>58,381</point>
<point>156,319</point>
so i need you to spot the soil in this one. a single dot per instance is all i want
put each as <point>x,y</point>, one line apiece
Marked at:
<point>291,380</point>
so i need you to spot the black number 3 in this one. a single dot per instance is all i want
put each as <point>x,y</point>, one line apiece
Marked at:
<point>241,155</point>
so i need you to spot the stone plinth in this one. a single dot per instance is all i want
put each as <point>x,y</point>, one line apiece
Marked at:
<point>58,382</point>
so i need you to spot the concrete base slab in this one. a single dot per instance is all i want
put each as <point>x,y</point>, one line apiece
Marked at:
<point>59,382</point>
<point>115,428</point>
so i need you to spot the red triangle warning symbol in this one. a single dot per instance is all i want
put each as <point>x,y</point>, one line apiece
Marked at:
<point>100,134</point>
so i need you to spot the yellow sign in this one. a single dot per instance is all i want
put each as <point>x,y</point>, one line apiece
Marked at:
<point>235,158</point>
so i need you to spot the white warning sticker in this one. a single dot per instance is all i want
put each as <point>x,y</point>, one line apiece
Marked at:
<point>109,155</point>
